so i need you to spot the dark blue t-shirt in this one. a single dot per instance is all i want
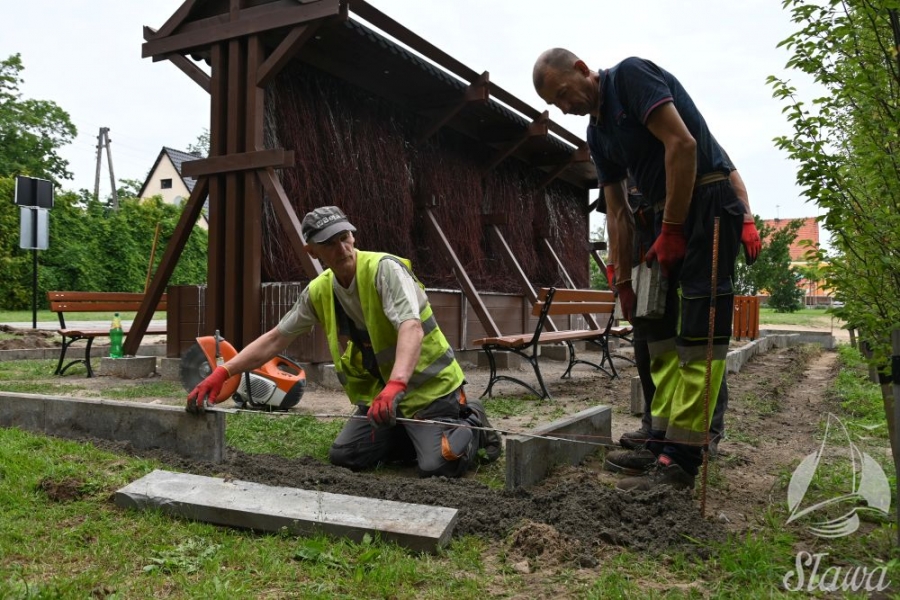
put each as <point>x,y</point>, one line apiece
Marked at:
<point>620,141</point>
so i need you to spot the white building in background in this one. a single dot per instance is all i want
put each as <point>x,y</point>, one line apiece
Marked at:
<point>165,179</point>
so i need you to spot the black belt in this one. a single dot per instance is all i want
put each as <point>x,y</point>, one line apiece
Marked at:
<point>713,177</point>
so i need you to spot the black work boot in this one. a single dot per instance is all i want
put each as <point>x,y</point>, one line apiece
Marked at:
<point>664,471</point>
<point>488,439</point>
<point>629,462</point>
<point>633,440</point>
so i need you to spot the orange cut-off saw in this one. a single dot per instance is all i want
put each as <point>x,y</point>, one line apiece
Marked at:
<point>276,385</point>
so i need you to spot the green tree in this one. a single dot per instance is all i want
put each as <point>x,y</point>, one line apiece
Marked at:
<point>31,131</point>
<point>846,143</point>
<point>772,272</point>
<point>598,278</point>
<point>201,147</point>
<point>94,248</point>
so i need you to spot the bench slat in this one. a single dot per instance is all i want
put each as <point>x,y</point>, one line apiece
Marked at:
<point>577,308</point>
<point>69,306</point>
<point>98,296</point>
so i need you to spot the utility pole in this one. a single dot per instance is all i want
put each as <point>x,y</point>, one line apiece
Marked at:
<point>103,142</point>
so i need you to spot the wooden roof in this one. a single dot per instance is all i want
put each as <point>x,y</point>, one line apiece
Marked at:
<point>431,87</point>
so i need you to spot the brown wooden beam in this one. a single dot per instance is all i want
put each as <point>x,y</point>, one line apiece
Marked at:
<point>277,158</point>
<point>536,128</point>
<point>253,198</point>
<point>215,272</point>
<point>289,221</point>
<point>285,51</point>
<point>580,154</point>
<point>588,317</point>
<point>510,259</point>
<point>176,19</point>
<point>248,21</point>
<point>468,288</point>
<point>166,266</point>
<point>476,92</point>
<point>432,52</point>
<point>233,307</point>
<point>187,67</point>
<point>190,69</point>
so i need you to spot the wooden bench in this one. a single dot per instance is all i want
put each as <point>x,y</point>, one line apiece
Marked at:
<point>562,302</point>
<point>88,302</point>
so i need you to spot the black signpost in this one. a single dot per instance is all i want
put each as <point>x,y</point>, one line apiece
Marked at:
<point>35,199</point>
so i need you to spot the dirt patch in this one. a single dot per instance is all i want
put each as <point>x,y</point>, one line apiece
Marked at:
<point>25,339</point>
<point>62,490</point>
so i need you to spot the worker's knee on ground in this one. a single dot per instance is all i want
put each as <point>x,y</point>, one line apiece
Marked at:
<point>456,454</point>
<point>349,456</point>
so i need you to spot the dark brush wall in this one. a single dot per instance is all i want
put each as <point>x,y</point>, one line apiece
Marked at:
<point>355,150</point>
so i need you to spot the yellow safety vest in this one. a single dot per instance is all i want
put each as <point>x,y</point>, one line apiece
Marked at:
<point>436,374</point>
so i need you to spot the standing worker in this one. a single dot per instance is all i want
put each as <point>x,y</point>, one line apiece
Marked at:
<point>642,120</point>
<point>389,354</point>
<point>644,236</point>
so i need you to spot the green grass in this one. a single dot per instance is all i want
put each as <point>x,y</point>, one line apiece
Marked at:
<point>859,397</point>
<point>291,435</point>
<point>809,317</point>
<point>43,316</point>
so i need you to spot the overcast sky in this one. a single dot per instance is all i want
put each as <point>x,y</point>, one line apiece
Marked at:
<point>85,55</point>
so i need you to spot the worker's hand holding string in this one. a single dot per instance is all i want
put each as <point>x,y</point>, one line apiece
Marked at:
<point>207,391</point>
<point>383,411</point>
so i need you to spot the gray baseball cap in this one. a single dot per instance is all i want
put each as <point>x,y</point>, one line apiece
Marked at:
<point>323,223</point>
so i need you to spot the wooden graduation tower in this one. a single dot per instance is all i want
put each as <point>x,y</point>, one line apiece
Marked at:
<point>246,44</point>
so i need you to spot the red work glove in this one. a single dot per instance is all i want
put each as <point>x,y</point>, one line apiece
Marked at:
<point>669,247</point>
<point>207,391</point>
<point>611,276</point>
<point>383,411</point>
<point>627,299</point>
<point>751,241</point>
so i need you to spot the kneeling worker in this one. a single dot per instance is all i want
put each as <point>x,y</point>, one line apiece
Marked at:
<point>389,354</point>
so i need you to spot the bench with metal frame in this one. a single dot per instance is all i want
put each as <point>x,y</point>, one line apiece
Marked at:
<point>92,302</point>
<point>557,301</point>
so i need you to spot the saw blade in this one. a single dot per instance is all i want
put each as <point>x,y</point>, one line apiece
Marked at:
<point>194,367</point>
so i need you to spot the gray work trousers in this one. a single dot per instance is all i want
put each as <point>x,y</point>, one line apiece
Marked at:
<point>439,449</point>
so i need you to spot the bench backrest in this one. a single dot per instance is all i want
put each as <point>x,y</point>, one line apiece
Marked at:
<point>575,302</point>
<point>63,302</point>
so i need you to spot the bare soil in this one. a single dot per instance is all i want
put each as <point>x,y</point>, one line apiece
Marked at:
<point>576,518</point>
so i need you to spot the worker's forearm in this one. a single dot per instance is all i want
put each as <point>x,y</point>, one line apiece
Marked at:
<point>681,171</point>
<point>409,347</point>
<point>258,352</point>
<point>740,190</point>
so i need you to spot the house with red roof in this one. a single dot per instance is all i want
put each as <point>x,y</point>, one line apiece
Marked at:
<point>799,250</point>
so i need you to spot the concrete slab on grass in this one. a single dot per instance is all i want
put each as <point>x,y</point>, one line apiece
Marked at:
<point>144,426</point>
<point>270,508</point>
<point>530,459</point>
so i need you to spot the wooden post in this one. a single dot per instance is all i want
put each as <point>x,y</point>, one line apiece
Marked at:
<point>152,256</point>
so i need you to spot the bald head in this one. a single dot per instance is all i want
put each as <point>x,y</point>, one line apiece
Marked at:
<point>565,81</point>
<point>559,60</point>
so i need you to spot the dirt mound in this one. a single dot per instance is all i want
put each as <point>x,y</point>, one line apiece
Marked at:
<point>27,339</point>
<point>583,510</point>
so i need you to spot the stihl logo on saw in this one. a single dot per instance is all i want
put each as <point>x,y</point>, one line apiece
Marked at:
<point>276,385</point>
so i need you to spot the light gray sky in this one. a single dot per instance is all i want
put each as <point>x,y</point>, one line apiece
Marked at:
<point>85,55</point>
